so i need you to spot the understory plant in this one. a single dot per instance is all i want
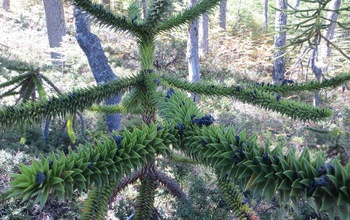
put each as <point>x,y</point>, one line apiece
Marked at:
<point>171,121</point>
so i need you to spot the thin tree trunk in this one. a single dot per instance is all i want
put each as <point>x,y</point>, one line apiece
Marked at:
<point>98,62</point>
<point>55,24</point>
<point>266,10</point>
<point>317,71</point>
<point>296,4</point>
<point>144,8</point>
<point>333,16</point>
<point>192,52</point>
<point>6,5</point>
<point>239,15</point>
<point>205,34</point>
<point>279,65</point>
<point>223,4</point>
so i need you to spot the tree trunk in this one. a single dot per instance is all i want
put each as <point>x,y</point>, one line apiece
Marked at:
<point>55,24</point>
<point>6,5</point>
<point>266,10</point>
<point>316,70</point>
<point>98,62</point>
<point>279,65</point>
<point>144,8</point>
<point>205,34</point>
<point>296,3</point>
<point>192,52</point>
<point>223,4</point>
<point>333,16</point>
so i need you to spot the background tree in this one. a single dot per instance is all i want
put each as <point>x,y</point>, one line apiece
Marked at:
<point>280,42</point>
<point>266,13</point>
<point>223,4</point>
<point>98,62</point>
<point>205,35</point>
<point>6,5</point>
<point>315,32</point>
<point>332,20</point>
<point>332,17</point>
<point>55,25</point>
<point>193,51</point>
<point>144,8</point>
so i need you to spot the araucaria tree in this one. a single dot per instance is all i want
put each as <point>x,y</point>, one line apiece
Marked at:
<point>172,121</point>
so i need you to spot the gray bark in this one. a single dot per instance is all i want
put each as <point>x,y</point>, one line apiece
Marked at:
<point>205,34</point>
<point>55,24</point>
<point>144,8</point>
<point>279,65</point>
<point>45,130</point>
<point>223,4</point>
<point>98,62</point>
<point>333,16</point>
<point>192,52</point>
<point>317,71</point>
<point>6,5</point>
<point>296,4</point>
<point>266,10</point>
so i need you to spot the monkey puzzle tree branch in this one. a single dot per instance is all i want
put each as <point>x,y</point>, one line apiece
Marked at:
<point>146,195</point>
<point>187,15</point>
<point>234,200</point>
<point>92,165</point>
<point>156,9</point>
<point>62,105</point>
<point>269,101</point>
<point>106,18</point>
<point>289,86</point>
<point>266,171</point>
<point>125,182</point>
<point>145,198</point>
<point>171,185</point>
<point>96,205</point>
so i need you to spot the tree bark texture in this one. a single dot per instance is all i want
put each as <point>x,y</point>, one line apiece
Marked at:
<point>279,65</point>
<point>205,34</point>
<point>192,52</point>
<point>6,5</point>
<point>266,11</point>
<point>144,9</point>
<point>316,70</point>
<point>98,62</point>
<point>333,16</point>
<point>55,24</point>
<point>223,4</point>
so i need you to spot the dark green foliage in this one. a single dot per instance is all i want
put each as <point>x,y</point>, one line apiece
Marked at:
<point>234,199</point>
<point>263,170</point>
<point>96,205</point>
<point>90,165</point>
<point>250,95</point>
<point>145,200</point>
<point>62,105</point>
<point>298,87</point>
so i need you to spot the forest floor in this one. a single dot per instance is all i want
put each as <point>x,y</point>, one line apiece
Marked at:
<point>235,57</point>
